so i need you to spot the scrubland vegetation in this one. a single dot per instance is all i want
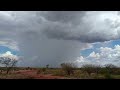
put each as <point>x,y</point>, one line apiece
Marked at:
<point>67,71</point>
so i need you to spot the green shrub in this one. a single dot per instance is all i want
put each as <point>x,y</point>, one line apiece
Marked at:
<point>108,76</point>
<point>39,71</point>
<point>68,68</point>
<point>43,69</point>
<point>89,68</point>
<point>58,73</point>
<point>110,68</point>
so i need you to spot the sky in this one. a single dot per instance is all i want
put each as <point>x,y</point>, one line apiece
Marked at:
<point>39,38</point>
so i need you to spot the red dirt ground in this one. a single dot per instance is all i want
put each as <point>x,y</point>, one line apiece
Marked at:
<point>33,74</point>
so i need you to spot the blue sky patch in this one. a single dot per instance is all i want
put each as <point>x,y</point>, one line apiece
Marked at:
<point>4,49</point>
<point>98,45</point>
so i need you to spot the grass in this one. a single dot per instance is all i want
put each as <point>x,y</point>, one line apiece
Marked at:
<point>14,76</point>
<point>116,76</point>
<point>78,73</point>
<point>54,72</point>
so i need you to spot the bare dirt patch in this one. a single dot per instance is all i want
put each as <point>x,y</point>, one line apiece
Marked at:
<point>33,74</point>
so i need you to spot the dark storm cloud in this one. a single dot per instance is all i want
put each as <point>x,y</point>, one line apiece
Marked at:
<point>39,50</point>
<point>86,27</point>
<point>64,16</point>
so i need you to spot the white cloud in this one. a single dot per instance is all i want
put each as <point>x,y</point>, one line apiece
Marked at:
<point>94,55</point>
<point>9,43</point>
<point>105,55</point>
<point>8,54</point>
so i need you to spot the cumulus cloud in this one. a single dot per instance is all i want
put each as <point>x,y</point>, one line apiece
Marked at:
<point>8,54</point>
<point>105,55</point>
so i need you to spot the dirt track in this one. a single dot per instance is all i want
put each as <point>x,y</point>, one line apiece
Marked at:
<point>33,74</point>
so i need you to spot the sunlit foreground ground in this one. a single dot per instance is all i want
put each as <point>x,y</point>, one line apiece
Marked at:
<point>58,73</point>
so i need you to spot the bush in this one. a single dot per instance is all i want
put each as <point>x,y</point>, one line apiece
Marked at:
<point>68,68</point>
<point>110,68</point>
<point>43,69</point>
<point>39,71</point>
<point>47,66</point>
<point>58,72</point>
<point>108,76</point>
<point>89,68</point>
<point>28,68</point>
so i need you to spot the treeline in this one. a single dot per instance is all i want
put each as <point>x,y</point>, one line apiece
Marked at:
<point>107,70</point>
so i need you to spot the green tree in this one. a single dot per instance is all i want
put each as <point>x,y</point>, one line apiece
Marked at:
<point>9,63</point>
<point>68,68</point>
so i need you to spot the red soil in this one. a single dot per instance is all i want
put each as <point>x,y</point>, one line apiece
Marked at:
<point>33,74</point>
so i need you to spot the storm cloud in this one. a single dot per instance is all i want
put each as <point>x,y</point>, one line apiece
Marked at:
<point>88,27</point>
<point>52,37</point>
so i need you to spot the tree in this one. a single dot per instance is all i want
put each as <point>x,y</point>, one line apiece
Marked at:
<point>89,68</point>
<point>68,68</point>
<point>8,62</point>
<point>110,68</point>
<point>97,69</point>
<point>47,66</point>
